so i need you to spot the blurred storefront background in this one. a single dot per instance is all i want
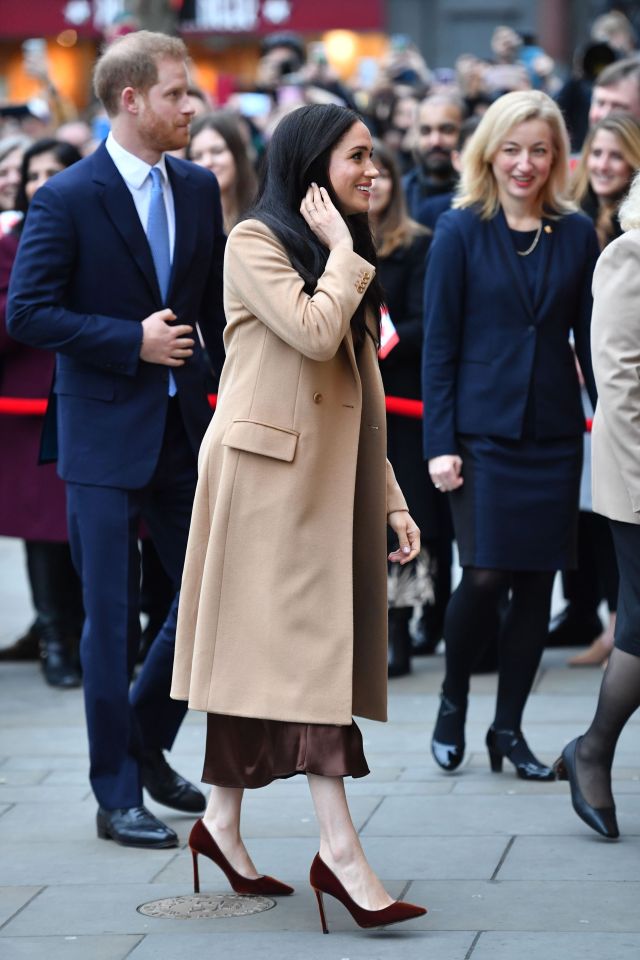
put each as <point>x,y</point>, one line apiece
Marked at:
<point>224,35</point>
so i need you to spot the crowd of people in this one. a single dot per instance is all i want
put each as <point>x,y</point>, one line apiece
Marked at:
<point>431,235</point>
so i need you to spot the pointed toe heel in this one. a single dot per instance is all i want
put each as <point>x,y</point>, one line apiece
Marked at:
<point>323,880</point>
<point>601,819</point>
<point>512,745</point>
<point>201,842</point>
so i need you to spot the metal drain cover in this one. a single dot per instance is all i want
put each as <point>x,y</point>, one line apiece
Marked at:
<point>206,906</point>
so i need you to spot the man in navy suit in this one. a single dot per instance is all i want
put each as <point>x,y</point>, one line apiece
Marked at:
<point>120,260</point>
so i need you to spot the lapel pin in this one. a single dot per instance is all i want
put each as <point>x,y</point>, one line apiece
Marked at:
<point>548,229</point>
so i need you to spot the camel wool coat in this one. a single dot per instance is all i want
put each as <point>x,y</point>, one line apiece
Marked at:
<point>283,608</point>
<point>615,348</point>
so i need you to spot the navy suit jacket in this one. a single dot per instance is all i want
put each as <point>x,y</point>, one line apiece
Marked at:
<point>488,342</point>
<point>82,283</point>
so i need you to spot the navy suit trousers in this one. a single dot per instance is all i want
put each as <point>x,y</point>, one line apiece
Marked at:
<point>103,528</point>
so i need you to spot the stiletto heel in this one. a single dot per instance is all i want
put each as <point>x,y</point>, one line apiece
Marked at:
<point>201,841</point>
<point>323,919</point>
<point>512,745</point>
<point>196,875</point>
<point>323,880</point>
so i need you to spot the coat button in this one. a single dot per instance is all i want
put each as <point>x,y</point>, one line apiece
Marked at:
<point>317,398</point>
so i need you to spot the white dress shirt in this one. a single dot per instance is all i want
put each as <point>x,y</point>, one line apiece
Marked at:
<point>135,173</point>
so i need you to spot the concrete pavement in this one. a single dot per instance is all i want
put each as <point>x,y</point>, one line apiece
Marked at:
<point>506,869</point>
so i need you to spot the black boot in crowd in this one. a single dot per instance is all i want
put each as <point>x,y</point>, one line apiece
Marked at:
<point>399,661</point>
<point>57,598</point>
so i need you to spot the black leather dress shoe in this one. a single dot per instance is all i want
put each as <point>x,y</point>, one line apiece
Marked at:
<point>59,666</point>
<point>134,827</point>
<point>601,819</point>
<point>168,787</point>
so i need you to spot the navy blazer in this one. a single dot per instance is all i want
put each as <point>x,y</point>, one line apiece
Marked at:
<point>82,283</point>
<point>488,342</point>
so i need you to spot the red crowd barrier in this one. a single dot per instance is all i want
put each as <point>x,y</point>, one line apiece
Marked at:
<point>26,407</point>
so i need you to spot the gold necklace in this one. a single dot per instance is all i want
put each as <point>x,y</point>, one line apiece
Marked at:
<point>534,244</point>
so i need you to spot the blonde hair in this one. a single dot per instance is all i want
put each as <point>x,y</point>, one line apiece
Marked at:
<point>478,187</point>
<point>132,61</point>
<point>626,129</point>
<point>629,209</point>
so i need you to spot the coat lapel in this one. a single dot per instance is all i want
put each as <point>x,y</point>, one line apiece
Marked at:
<point>185,204</point>
<point>510,256</point>
<point>546,244</point>
<point>121,210</point>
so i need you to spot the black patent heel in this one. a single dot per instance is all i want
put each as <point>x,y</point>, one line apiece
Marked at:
<point>512,745</point>
<point>495,759</point>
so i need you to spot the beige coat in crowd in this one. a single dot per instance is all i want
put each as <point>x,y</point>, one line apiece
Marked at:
<point>283,610</point>
<point>615,345</point>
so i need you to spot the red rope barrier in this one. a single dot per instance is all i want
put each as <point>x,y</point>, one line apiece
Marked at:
<point>22,406</point>
<point>26,407</point>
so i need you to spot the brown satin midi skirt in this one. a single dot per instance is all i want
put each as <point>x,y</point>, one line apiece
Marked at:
<point>249,752</point>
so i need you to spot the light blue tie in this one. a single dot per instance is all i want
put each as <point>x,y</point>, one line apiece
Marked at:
<point>158,237</point>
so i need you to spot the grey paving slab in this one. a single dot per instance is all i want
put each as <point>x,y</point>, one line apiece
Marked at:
<point>556,946</point>
<point>29,740</point>
<point>585,857</point>
<point>68,948</point>
<point>488,815</point>
<point>533,905</point>
<point>45,762</point>
<point>391,943</point>
<point>54,822</point>
<point>13,899</point>
<point>77,862</point>
<point>111,908</point>
<point>76,778</point>
<point>42,794</point>
<point>567,681</point>
<point>396,858</point>
<point>21,778</point>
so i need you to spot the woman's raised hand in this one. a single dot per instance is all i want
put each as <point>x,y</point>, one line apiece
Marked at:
<point>323,218</point>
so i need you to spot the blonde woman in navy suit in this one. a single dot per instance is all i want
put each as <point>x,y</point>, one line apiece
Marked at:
<point>507,286</point>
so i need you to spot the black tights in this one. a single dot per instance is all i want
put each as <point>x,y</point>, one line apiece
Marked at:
<point>522,636</point>
<point>619,699</point>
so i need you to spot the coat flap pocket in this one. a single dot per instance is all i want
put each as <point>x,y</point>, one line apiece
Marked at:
<point>81,383</point>
<point>262,438</point>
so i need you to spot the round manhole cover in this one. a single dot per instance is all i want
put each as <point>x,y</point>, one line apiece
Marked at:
<point>205,906</point>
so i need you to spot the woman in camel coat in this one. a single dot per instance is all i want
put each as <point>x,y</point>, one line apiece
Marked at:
<point>282,625</point>
<point>615,342</point>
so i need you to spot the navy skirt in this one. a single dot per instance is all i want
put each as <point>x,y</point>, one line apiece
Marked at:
<point>518,506</point>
